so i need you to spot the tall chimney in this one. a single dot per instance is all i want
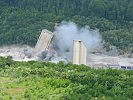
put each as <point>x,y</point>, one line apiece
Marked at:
<point>79,53</point>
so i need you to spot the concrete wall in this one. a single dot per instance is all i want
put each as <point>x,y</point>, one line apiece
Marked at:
<point>44,40</point>
<point>79,53</point>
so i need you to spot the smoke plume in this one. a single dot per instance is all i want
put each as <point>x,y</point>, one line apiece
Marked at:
<point>66,32</point>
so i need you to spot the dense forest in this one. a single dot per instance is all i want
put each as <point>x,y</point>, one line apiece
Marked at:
<point>21,21</point>
<point>48,81</point>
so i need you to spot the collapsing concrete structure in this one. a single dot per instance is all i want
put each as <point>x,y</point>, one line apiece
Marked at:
<point>44,40</point>
<point>44,52</point>
<point>79,53</point>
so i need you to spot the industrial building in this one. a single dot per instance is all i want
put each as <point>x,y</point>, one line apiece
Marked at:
<point>44,40</point>
<point>79,53</point>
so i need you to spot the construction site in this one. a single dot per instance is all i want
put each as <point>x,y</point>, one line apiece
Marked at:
<point>44,50</point>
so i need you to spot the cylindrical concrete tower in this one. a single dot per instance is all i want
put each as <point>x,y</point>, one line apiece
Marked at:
<point>79,53</point>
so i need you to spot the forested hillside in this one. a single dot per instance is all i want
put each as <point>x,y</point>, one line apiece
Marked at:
<point>47,81</point>
<point>22,20</point>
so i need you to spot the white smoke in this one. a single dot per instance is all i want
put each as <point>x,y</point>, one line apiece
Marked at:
<point>66,32</point>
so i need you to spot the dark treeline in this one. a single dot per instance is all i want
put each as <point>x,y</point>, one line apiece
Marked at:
<point>109,9</point>
<point>22,20</point>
